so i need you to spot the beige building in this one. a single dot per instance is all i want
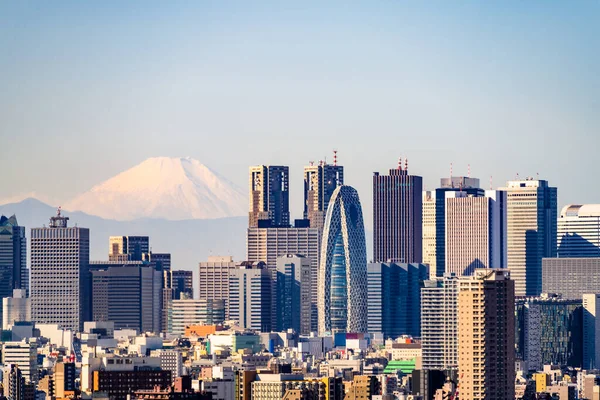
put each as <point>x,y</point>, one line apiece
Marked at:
<point>486,335</point>
<point>475,227</point>
<point>213,278</point>
<point>531,232</point>
<point>429,232</point>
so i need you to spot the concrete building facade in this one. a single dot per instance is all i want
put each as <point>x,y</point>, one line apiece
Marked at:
<point>579,231</point>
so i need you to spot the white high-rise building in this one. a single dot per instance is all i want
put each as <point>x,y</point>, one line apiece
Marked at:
<point>591,331</point>
<point>439,323</point>
<point>429,232</point>
<point>531,232</point>
<point>60,258</point>
<point>16,308</point>
<point>250,296</point>
<point>186,312</point>
<point>475,231</point>
<point>579,231</point>
<point>213,277</point>
<point>24,354</point>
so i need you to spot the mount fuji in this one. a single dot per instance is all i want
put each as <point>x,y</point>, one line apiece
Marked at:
<point>166,188</point>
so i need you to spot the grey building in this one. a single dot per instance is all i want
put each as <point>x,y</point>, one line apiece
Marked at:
<point>266,244</point>
<point>250,296</point>
<point>182,283</point>
<point>13,257</point>
<point>213,278</point>
<point>293,293</point>
<point>397,217</point>
<point>60,278</point>
<point>128,295</point>
<point>394,302</point>
<point>269,195</point>
<point>571,277</point>
<point>319,183</point>
<point>439,323</point>
<point>531,232</point>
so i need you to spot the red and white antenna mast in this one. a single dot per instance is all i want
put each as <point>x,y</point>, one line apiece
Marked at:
<point>334,158</point>
<point>406,164</point>
<point>400,163</point>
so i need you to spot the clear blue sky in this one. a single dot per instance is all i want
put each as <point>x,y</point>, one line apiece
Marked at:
<point>88,89</point>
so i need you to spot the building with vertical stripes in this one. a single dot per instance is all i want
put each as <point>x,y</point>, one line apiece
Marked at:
<point>250,296</point>
<point>269,195</point>
<point>319,183</point>
<point>13,257</point>
<point>397,217</point>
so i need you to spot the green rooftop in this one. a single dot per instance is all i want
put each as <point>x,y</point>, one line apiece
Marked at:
<point>405,366</point>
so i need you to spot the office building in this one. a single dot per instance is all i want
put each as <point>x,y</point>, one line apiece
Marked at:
<point>64,379</point>
<point>579,231</point>
<point>13,257</point>
<point>119,383</point>
<point>128,248</point>
<point>342,279</point>
<point>397,217</point>
<point>269,196</point>
<point>170,360</point>
<point>591,331</point>
<point>475,231</point>
<point>188,312</point>
<point>294,294</point>
<point>160,261</point>
<point>129,295</point>
<point>293,386</point>
<point>434,219</point>
<point>267,244</point>
<point>393,298</point>
<point>319,183</point>
<point>531,232</point>
<point>213,277</point>
<point>23,354</point>
<point>16,308</point>
<point>439,323</point>
<point>486,335</point>
<point>13,382</point>
<point>571,277</point>
<point>182,283</point>
<point>250,296</point>
<point>549,330</point>
<point>60,278</point>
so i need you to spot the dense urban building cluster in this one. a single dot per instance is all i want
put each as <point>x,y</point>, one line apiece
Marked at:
<point>469,294</point>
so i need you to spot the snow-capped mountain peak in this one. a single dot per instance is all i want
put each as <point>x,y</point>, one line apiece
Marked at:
<point>163,187</point>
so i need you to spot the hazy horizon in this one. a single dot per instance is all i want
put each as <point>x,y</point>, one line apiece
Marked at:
<point>90,90</point>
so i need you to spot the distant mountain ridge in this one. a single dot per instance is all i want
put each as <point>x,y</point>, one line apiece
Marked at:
<point>166,188</point>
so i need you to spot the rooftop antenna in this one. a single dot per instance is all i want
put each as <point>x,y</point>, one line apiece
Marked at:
<point>451,184</point>
<point>537,174</point>
<point>334,158</point>
<point>469,170</point>
<point>517,177</point>
<point>491,187</point>
<point>406,164</point>
<point>400,163</point>
<point>311,163</point>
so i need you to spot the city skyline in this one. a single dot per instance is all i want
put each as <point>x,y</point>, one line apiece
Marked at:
<point>182,91</point>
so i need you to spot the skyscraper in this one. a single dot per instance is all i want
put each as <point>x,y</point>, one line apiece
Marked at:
<point>129,295</point>
<point>591,331</point>
<point>188,312</point>
<point>439,323</point>
<point>394,302</point>
<point>342,280</point>
<point>397,217</point>
<point>250,296</point>
<point>182,283</point>
<point>531,232</point>
<point>319,183</point>
<point>213,276</point>
<point>13,257</point>
<point>16,308</point>
<point>269,195</point>
<point>128,248</point>
<point>486,335</point>
<point>60,275</point>
<point>294,293</point>
<point>434,219</point>
<point>266,244</point>
<point>475,231</point>
<point>571,277</point>
<point>579,231</point>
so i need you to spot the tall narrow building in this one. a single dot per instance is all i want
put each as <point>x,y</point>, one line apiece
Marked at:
<point>250,296</point>
<point>294,294</point>
<point>213,277</point>
<point>439,323</point>
<point>342,280</point>
<point>475,231</point>
<point>531,232</point>
<point>60,277</point>
<point>269,195</point>
<point>429,231</point>
<point>13,257</point>
<point>320,181</point>
<point>486,335</point>
<point>397,217</point>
